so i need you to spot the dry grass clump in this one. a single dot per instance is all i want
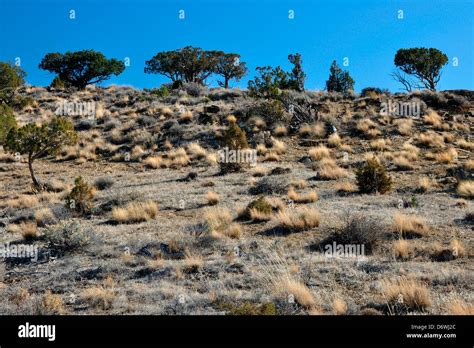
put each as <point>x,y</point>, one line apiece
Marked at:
<point>23,201</point>
<point>44,216</point>
<point>179,158</point>
<point>196,151</point>
<point>410,225</point>
<point>447,156</point>
<point>212,198</point>
<point>457,248</point>
<point>431,139</point>
<point>329,170</point>
<point>156,162</point>
<point>52,303</point>
<point>424,184</point>
<point>192,261</point>
<point>298,219</point>
<point>28,230</point>
<point>345,187</point>
<point>466,189</point>
<point>368,128</point>
<point>379,144</point>
<point>432,118</point>
<point>460,307</point>
<point>308,197</point>
<point>469,164</point>
<point>410,151</point>
<point>466,145</point>
<point>407,293</point>
<point>317,130</point>
<point>403,163</point>
<point>186,116</point>
<point>135,212</point>
<point>339,306</point>
<point>334,140</point>
<point>401,249</point>
<point>271,157</point>
<point>219,223</point>
<point>101,296</point>
<point>319,152</point>
<point>280,131</point>
<point>289,288</point>
<point>279,147</point>
<point>404,125</point>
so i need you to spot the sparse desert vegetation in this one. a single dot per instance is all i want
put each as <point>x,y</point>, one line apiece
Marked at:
<point>143,212</point>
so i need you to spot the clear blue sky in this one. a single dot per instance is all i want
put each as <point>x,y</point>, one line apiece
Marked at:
<point>368,32</point>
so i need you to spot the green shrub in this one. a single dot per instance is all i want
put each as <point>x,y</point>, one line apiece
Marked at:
<point>80,198</point>
<point>19,102</point>
<point>260,204</point>
<point>234,139</point>
<point>339,80</point>
<point>11,78</point>
<point>160,92</point>
<point>81,68</point>
<point>270,110</point>
<point>7,121</point>
<point>373,178</point>
<point>40,141</point>
<point>57,83</point>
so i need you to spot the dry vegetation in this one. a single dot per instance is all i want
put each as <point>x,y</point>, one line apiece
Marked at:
<point>170,233</point>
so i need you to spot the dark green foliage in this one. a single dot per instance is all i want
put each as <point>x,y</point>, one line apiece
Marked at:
<point>234,139</point>
<point>424,64</point>
<point>230,67</point>
<point>7,121</point>
<point>81,68</point>
<point>297,76</point>
<point>269,83</point>
<point>373,178</point>
<point>248,308</point>
<point>57,83</point>
<point>260,204</point>
<point>339,80</point>
<point>40,141</point>
<point>11,78</point>
<point>270,110</point>
<point>80,198</point>
<point>160,92</point>
<point>189,64</point>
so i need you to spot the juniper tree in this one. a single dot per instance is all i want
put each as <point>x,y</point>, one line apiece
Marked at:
<point>81,68</point>
<point>40,141</point>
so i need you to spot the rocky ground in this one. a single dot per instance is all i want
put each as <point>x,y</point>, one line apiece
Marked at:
<point>192,250</point>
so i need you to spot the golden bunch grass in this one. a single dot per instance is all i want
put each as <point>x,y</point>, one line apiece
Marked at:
<point>135,212</point>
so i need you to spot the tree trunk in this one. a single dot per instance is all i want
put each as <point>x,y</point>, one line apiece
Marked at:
<point>226,83</point>
<point>36,183</point>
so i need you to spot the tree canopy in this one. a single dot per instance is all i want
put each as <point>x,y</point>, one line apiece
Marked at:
<point>339,80</point>
<point>40,141</point>
<point>424,64</point>
<point>11,78</point>
<point>81,68</point>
